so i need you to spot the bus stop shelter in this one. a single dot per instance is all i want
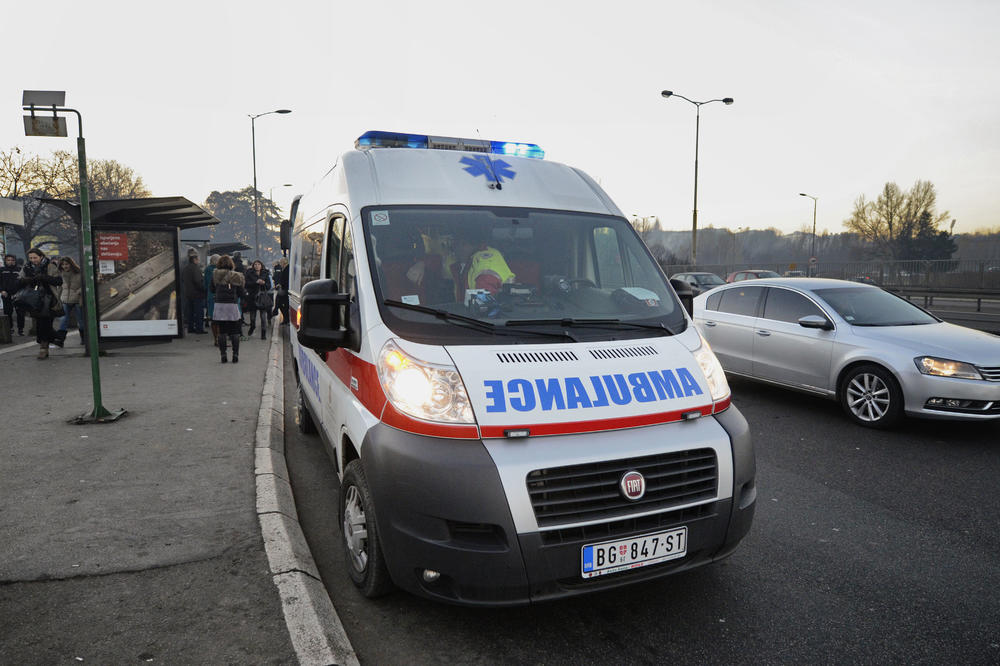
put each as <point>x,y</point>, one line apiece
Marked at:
<point>137,264</point>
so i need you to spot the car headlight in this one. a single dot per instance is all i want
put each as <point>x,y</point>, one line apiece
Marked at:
<point>716,376</point>
<point>942,367</point>
<point>424,390</point>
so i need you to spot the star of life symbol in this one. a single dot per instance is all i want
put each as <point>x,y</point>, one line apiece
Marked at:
<point>480,165</point>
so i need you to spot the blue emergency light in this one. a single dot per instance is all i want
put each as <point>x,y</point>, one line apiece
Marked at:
<point>378,139</point>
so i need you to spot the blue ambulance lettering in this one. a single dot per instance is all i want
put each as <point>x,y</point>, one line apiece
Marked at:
<point>308,371</point>
<point>523,395</point>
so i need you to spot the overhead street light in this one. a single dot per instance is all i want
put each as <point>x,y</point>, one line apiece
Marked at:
<point>697,123</point>
<point>256,197</point>
<point>812,251</point>
<point>270,193</point>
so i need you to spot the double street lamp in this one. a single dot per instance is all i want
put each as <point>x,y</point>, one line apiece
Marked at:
<point>697,122</point>
<point>812,251</point>
<point>256,196</point>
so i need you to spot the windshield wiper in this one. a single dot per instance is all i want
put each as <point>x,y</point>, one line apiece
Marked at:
<point>472,322</point>
<point>568,322</point>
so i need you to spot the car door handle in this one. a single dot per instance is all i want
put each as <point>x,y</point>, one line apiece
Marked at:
<point>764,334</point>
<point>709,323</point>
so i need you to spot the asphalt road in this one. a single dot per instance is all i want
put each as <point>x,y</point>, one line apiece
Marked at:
<point>868,547</point>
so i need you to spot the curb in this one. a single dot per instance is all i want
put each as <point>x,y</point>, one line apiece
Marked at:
<point>314,627</point>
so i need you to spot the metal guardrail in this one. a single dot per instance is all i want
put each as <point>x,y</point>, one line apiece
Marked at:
<point>947,274</point>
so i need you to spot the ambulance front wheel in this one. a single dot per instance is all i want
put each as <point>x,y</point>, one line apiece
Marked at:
<point>302,416</point>
<point>362,545</point>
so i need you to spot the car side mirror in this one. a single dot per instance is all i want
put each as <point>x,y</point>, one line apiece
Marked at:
<point>286,235</point>
<point>323,324</point>
<point>683,291</point>
<point>816,321</point>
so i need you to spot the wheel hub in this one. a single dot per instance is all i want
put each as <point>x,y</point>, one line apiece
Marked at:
<point>355,529</point>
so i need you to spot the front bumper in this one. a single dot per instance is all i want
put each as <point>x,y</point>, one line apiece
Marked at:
<point>979,400</point>
<point>441,505</point>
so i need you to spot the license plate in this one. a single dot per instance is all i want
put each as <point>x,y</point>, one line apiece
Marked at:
<point>599,559</point>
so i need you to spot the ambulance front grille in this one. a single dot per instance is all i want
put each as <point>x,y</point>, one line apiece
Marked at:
<point>537,357</point>
<point>588,492</point>
<point>623,352</point>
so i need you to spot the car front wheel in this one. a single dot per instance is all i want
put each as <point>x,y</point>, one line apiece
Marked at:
<point>362,545</point>
<point>872,397</point>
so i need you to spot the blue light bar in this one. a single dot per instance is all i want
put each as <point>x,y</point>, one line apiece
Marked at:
<point>378,139</point>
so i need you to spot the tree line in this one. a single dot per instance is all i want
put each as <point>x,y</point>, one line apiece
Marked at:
<point>32,178</point>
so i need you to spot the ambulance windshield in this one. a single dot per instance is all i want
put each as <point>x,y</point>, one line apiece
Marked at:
<point>514,269</point>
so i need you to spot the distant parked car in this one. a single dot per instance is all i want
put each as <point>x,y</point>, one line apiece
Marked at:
<point>700,282</point>
<point>877,354</point>
<point>754,274</point>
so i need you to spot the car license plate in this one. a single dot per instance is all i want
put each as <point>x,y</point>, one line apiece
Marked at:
<point>599,559</point>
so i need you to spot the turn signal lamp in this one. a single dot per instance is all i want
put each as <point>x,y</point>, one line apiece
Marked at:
<point>379,139</point>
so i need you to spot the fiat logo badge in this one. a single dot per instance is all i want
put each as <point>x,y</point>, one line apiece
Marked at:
<point>633,486</point>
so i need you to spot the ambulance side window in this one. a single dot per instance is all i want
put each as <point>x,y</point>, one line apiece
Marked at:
<point>334,241</point>
<point>348,275</point>
<point>608,257</point>
<point>310,258</point>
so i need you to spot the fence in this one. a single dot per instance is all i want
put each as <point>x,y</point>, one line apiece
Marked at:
<point>946,274</point>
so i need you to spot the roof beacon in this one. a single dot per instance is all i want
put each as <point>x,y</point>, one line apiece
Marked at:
<point>377,139</point>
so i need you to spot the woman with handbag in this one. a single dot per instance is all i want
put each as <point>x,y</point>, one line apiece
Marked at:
<point>72,288</point>
<point>41,275</point>
<point>258,299</point>
<point>228,283</point>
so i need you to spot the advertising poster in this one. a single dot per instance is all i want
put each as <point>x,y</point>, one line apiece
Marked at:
<point>136,283</point>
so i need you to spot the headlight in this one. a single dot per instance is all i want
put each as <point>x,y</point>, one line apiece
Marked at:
<point>714,373</point>
<point>942,367</point>
<point>423,390</point>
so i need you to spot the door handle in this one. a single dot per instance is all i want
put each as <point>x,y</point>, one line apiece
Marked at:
<point>709,323</point>
<point>763,334</point>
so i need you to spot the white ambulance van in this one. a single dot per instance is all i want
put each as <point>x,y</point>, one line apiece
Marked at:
<point>516,401</point>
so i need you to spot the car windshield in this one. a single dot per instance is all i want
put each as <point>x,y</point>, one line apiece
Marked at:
<point>705,280</point>
<point>867,306</point>
<point>767,274</point>
<point>537,269</point>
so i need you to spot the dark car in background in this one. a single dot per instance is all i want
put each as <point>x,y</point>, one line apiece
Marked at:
<point>700,282</point>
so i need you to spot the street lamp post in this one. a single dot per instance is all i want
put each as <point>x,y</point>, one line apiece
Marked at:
<point>44,101</point>
<point>812,251</point>
<point>697,123</point>
<point>256,197</point>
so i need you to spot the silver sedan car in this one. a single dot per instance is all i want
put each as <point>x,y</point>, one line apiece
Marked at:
<point>877,354</point>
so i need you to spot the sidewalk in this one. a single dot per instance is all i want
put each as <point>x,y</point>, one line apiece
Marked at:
<point>135,541</point>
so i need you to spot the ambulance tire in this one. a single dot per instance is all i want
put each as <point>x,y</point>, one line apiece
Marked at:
<point>359,534</point>
<point>302,416</point>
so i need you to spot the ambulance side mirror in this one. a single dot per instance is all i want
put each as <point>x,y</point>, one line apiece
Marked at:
<point>323,325</point>
<point>684,292</point>
<point>286,235</point>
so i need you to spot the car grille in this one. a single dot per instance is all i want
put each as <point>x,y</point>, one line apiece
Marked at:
<point>589,492</point>
<point>990,374</point>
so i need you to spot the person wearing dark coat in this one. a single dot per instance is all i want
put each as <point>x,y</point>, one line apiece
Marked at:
<point>193,288</point>
<point>38,271</point>
<point>258,280</point>
<point>228,285</point>
<point>9,284</point>
<point>281,289</point>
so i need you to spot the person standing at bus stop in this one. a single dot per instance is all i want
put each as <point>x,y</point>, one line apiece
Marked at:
<point>193,286</point>
<point>39,272</point>
<point>72,290</point>
<point>226,314</point>
<point>209,287</point>
<point>8,287</point>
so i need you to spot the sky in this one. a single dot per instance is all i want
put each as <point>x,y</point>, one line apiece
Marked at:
<point>833,99</point>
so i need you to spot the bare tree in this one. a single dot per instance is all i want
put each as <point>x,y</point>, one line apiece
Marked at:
<point>891,222</point>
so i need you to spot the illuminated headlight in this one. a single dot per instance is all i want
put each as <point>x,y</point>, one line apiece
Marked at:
<point>423,390</point>
<point>942,367</point>
<point>714,373</point>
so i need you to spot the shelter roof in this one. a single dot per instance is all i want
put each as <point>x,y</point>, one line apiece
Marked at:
<point>137,213</point>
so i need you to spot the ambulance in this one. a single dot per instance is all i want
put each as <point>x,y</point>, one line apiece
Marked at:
<point>515,398</point>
